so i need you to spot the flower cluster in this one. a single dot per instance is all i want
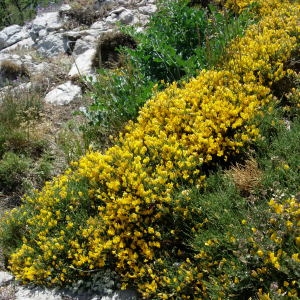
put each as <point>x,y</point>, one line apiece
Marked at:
<point>121,209</point>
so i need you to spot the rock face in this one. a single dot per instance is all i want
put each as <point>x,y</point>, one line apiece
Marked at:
<point>53,34</point>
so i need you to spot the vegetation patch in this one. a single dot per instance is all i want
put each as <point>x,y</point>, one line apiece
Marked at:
<point>157,211</point>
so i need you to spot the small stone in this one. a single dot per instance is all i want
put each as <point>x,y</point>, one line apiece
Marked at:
<point>63,94</point>
<point>5,278</point>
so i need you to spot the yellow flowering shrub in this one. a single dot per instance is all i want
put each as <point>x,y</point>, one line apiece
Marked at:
<point>277,252</point>
<point>263,261</point>
<point>120,209</point>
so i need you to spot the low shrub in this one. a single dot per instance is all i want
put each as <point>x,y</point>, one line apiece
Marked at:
<point>11,71</point>
<point>12,169</point>
<point>170,47</point>
<point>181,40</point>
<point>117,96</point>
<point>23,147</point>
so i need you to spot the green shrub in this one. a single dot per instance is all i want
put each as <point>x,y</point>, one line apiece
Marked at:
<point>178,41</point>
<point>117,96</point>
<point>71,141</point>
<point>13,168</point>
<point>23,147</point>
<point>19,114</point>
<point>181,40</point>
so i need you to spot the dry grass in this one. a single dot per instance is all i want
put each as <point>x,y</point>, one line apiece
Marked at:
<point>247,176</point>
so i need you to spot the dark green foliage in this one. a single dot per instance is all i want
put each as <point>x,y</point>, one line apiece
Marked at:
<point>181,40</point>
<point>117,96</point>
<point>12,168</point>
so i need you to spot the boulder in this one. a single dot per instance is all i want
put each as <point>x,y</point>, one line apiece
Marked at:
<point>122,15</point>
<point>5,278</point>
<point>63,94</point>
<point>52,45</point>
<point>84,44</point>
<point>48,22</point>
<point>11,35</point>
<point>148,9</point>
<point>26,43</point>
<point>83,64</point>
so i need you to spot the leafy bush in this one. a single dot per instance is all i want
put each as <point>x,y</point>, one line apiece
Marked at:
<point>117,96</point>
<point>12,170</point>
<point>11,71</point>
<point>19,113</point>
<point>22,149</point>
<point>181,40</point>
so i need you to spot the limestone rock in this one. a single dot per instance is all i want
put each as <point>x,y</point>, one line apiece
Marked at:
<point>5,278</point>
<point>52,45</point>
<point>11,35</point>
<point>48,22</point>
<point>122,15</point>
<point>83,64</point>
<point>63,94</point>
<point>148,9</point>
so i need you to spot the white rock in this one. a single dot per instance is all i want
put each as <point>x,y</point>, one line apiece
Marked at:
<point>11,35</point>
<point>100,25</point>
<point>65,7</point>
<point>63,94</point>
<point>52,45</point>
<point>84,44</point>
<point>3,38</point>
<point>46,21</point>
<point>23,44</point>
<point>18,36</point>
<point>24,293</point>
<point>5,278</point>
<point>11,30</point>
<point>83,64</point>
<point>148,9</point>
<point>126,17</point>
<point>118,10</point>
<point>146,2</point>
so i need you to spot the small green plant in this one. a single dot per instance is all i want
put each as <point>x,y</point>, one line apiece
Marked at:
<point>23,163</point>
<point>19,113</point>
<point>117,96</point>
<point>71,141</point>
<point>13,168</point>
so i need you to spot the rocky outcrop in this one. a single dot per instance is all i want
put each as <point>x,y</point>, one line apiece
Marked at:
<point>83,65</point>
<point>53,34</point>
<point>11,35</point>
